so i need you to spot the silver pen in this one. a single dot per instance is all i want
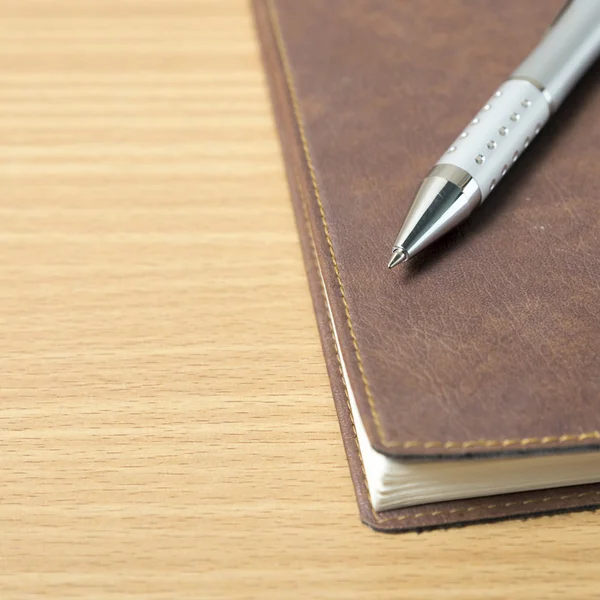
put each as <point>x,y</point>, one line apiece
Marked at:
<point>485,150</point>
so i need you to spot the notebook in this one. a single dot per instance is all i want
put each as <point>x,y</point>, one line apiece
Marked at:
<point>467,381</point>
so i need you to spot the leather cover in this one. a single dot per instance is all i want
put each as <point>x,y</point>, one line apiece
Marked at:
<point>488,343</point>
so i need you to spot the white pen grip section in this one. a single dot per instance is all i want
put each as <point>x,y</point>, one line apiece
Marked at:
<point>499,133</point>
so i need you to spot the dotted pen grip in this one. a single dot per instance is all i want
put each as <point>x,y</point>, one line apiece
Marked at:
<point>499,133</point>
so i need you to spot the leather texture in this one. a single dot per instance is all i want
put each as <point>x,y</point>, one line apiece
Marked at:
<point>488,343</point>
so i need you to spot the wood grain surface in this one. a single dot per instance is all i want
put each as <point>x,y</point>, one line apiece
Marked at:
<point>166,427</point>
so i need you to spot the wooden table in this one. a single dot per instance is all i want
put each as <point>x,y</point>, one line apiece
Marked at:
<point>166,428</point>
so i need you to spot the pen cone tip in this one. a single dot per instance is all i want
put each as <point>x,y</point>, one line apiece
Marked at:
<point>398,256</point>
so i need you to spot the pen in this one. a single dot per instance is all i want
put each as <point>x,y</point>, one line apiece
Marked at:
<point>484,151</point>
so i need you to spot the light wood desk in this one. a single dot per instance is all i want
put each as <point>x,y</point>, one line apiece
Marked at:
<point>166,428</point>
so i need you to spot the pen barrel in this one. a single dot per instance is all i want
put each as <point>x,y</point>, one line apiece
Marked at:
<point>499,133</point>
<point>570,46</point>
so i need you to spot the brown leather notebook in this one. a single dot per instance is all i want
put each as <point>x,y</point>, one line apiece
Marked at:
<point>487,345</point>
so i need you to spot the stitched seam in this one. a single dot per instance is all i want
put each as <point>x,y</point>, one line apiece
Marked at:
<point>304,203</point>
<point>435,513</point>
<point>276,28</point>
<point>286,68</point>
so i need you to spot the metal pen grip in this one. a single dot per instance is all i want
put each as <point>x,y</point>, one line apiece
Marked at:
<point>567,51</point>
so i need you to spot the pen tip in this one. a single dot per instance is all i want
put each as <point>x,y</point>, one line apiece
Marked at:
<point>398,256</point>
